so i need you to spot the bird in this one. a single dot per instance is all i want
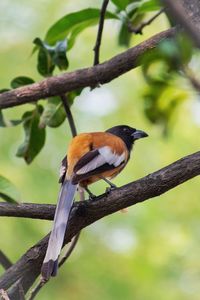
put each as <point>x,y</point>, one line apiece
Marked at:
<point>91,157</point>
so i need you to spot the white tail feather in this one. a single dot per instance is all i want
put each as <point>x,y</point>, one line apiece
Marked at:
<point>65,201</point>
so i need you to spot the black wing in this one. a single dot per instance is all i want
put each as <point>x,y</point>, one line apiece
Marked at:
<point>92,163</point>
<point>63,170</point>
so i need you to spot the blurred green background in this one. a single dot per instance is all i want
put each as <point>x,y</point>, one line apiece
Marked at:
<point>152,252</point>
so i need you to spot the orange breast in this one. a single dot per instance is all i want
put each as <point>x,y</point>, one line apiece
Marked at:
<point>78,147</point>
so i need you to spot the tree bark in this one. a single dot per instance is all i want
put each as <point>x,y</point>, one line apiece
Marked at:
<point>27,268</point>
<point>187,14</point>
<point>85,213</point>
<point>99,74</point>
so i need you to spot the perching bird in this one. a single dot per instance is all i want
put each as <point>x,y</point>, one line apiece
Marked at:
<point>91,157</point>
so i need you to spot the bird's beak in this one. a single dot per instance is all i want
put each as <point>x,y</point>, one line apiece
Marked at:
<point>138,134</point>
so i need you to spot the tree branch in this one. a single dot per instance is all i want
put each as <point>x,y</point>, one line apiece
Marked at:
<point>27,210</point>
<point>69,115</point>
<point>37,289</point>
<point>184,15</point>
<point>62,260</point>
<point>16,291</point>
<point>5,261</point>
<point>41,282</point>
<point>99,33</point>
<point>87,212</point>
<point>140,27</point>
<point>100,74</point>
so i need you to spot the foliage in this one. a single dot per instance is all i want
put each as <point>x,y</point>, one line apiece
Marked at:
<point>166,61</point>
<point>34,135</point>
<point>52,53</point>
<point>152,243</point>
<point>8,191</point>
<point>161,69</point>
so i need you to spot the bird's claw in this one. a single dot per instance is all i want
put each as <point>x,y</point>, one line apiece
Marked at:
<point>92,197</point>
<point>110,189</point>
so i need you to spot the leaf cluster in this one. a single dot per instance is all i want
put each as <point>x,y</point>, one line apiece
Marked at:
<point>163,73</point>
<point>159,68</point>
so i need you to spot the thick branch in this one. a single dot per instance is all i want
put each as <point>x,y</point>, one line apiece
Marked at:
<point>92,76</point>
<point>187,14</point>
<point>87,212</point>
<point>4,260</point>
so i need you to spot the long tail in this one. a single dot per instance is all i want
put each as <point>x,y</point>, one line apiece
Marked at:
<point>65,201</point>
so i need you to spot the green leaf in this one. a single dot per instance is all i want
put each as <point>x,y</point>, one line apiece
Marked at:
<point>51,56</point>
<point>185,47</point>
<point>135,19</point>
<point>63,27</point>
<point>148,6</point>
<point>72,95</point>
<point>8,191</point>
<point>54,114</point>
<point>8,123</point>
<point>59,55</point>
<point>34,136</point>
<point>121,4</point>
<point>78,29</point>
<point>21,81</point>
<point>169,49</point>
<point>4,90</point>
<point>45,64</point>
<point>124,36</point>
<point>61,37</point>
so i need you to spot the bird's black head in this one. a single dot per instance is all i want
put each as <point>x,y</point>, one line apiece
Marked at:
<point>128,134</point>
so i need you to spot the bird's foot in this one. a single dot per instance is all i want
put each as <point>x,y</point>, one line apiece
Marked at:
<point>110,189</point>
<point>91,195</point>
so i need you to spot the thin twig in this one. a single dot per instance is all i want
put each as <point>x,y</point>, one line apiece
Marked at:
<point>69,115</point>
<point>70,249</point>
<point>37,288</point>
<point>5,261</point>
<point>99,33</point>
<point>139,28</point>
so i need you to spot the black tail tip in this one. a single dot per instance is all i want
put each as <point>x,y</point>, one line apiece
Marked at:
<point>49,269</point>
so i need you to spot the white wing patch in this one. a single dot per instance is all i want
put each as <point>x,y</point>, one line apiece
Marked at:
<point>105,156</point>
<point>62,171</point>
<point>110,157</point>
